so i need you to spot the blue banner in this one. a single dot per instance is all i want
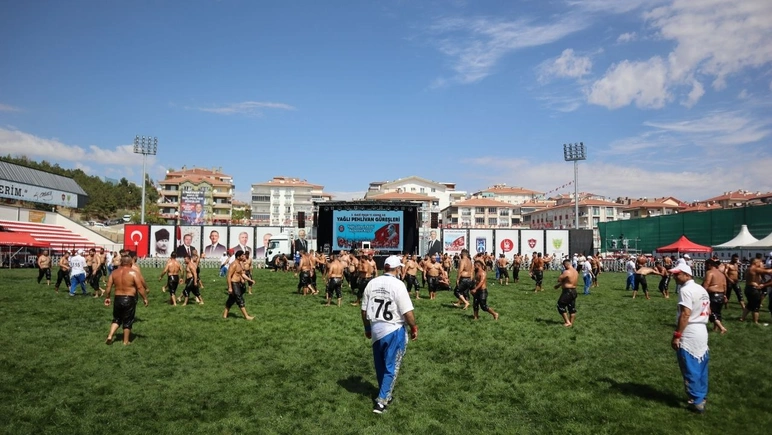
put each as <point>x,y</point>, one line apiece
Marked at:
<point>383,229</point>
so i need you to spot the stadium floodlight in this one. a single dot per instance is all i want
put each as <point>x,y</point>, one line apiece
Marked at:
<point>573,153</point>
<point>147,146</point>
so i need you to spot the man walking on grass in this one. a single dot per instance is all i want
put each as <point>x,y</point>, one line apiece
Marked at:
<point>480,292</point>
<point>236,286</point>
<point>127,285</point>
<point>690,339</point>
<point>567,300</point>
<point>386,308</point>
<point>77,272</point>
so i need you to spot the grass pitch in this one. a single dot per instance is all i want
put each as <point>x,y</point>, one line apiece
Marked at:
<point>301,367</point>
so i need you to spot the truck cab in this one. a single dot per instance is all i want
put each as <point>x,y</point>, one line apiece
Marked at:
<point>277,245</point>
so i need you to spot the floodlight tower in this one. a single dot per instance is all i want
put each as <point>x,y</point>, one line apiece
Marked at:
<point>573,153</point>
<point>147,146</point>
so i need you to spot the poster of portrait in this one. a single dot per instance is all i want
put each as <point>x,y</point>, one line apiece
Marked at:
<point>242,239</point>
<point>454,241</point>
<point>531,241</point>
<point>192,207</point>
<point>507,243</point>
<point>557,243</point>
<point>161,240</point>
<point>214,240</point>
<point>190,240</point>
<point>262,235</point>
<point>481,241</point>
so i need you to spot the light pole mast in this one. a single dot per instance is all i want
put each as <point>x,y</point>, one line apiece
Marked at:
<point>574,153</point>
<point>145,146</point>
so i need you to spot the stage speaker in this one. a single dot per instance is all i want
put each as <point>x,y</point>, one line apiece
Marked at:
<point>435,220</point>
<point>301,219</point>
<point>315,217</point>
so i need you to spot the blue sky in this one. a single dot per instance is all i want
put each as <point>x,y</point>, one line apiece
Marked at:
<point>671,97</point>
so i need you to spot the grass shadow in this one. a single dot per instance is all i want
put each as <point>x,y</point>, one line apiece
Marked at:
<point>643,391</point>
<point>549,321</point>
<point>357,385</point>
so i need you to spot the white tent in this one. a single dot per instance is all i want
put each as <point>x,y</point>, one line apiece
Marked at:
<point>764,243</point>
<point>742,239</point>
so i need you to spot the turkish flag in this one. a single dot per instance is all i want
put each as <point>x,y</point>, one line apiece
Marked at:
<point>137,238</point>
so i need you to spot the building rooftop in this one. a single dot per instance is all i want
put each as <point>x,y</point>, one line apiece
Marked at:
<point>403,196</point>
<point>202,172</point>
<point>36,177</point>
<point>482,202</point>
<point>195,179</point>
<point>503,189</point>
<point>288,182</point>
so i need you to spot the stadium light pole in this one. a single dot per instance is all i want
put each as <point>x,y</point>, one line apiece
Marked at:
<point>147,146</point>
<point>573,153</point>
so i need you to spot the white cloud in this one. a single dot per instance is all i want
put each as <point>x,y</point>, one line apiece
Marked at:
<point>17,142</point>
<point>475,46</point>
<point>566,65</point>
<point>611,6</point>
<point>249,108</point>
<point>9,108</point>
<point>644,83</point>
<point>626,37</point>
<point>697,92</point>
<point>718,129</point>
<point>714,39</point>
<point>743,95</point>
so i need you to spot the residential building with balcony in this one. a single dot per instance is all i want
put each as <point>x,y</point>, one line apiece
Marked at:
<point>445,193</point>
<point>510,195</point>
<point>562,216</point>
<point>208,187</point>
<point>277,202</point>
<point>479,213</point>
<point>645,207</point>
<point>426,204</point>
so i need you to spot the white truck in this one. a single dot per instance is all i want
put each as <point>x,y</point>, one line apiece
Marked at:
<point>282,244</point>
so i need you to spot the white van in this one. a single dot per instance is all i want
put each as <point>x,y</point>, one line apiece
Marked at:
<point>127,218</point>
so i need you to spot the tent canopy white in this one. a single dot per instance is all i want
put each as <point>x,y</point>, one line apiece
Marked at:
<point>742,239</point>
<point>764,243</point>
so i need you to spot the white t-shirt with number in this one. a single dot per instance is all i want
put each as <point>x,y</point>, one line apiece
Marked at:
<point>385,301</point>
<point>695,337</point>
<point>77,265</point>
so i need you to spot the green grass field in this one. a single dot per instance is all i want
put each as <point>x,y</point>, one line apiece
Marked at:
<point>301,367</point>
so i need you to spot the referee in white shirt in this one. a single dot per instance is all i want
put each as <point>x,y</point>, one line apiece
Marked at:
<point>386,307</point>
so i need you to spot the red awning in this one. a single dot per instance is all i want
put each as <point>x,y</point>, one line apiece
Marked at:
<point>684,245</point>
<point>19,239</point>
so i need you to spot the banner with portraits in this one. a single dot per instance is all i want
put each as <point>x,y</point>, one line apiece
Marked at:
<point>481,241</point>
<point>161,240</point>
<point>215,239</point>
<point>557,243</point>
<point>192,207</point>
<point>454,241</point>
<point>531,241</point>
<point>242,239</point>
<point>190,239</point>
<point>507,243</point>
<point>262,236</point>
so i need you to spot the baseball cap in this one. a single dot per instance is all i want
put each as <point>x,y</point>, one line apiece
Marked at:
<point>393,262</point>
<point>770,254</point>
<point>81,252</point>
<point>686,256</point>
<point>681,268</point>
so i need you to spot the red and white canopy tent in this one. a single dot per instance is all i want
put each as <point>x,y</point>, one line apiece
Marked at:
<point>18,240</point>
<point>684,245</point>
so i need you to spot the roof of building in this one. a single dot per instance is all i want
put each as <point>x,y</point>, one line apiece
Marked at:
<point>742,195</point>
<point>195,179</point>
<point>36,177</point>
<point>584,202</point>
<point>288,182</point>
<point>237,203</point>
<point>537,204</point>
<point>417,178</point>
<point>700,207</point>
<point>503,189</point>
<point>402,196</point>
<point>654,203</point>
<point>482,202</point>
<point>198,171</point>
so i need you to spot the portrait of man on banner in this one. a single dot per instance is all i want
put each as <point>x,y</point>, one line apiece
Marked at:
<point>192,208</point>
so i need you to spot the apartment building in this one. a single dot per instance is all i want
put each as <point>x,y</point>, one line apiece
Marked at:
<point>277,202</point>
<point>196,196</point>
<point>479,213</point>
<point>650,207</point>
<point>445,193</point>
<point>510,195</point>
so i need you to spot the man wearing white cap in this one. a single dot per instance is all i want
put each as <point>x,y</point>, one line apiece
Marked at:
<point>386,307</point>
<point>77,272</point>
<point>690,339</point>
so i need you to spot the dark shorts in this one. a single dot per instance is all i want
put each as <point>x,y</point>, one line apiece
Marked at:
<point>640,281</point>
<point>754,299</point>
<point>737,291</point>
<point>481,300</point>
<point>433,283</point>
<point>516,272</point>
<point>237,296</point>
<point>595,273</point>
<point>411,282</point>
<point>716,305</point>
<point>95,279</point>
<point>465,285</point>
<point>567,301</point>
<point>63,275</point>
<point>44,272</point>
<point>361,285</point>
<point>305,279</point>
<point>538,276</point>
<point>191,287</point>
<point>124,308</point>
<point>664,283</point>
<point>503,272</point>
<point>172,281</point>
<point>333,287</point>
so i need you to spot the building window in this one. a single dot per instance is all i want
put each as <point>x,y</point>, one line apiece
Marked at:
<point>491,209</point>
<point>595,221</point>
<point>479,210</point>
<point>609,211</point>
<point>433,190</point>
<point>261,198</point>
<point>422,190</point>
<point>479,221</point>
<point>288,209</point>
<point>275,209</point>
<point>493,221</point>
<point>596,211</point>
